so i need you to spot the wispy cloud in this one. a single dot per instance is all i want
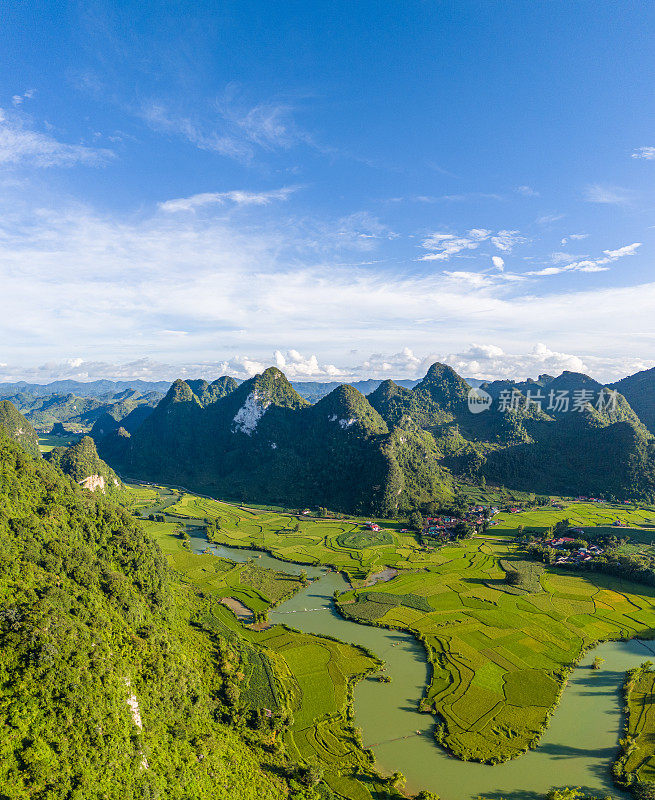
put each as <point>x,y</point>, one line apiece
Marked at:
<point>236,197</point>
<point>21,145</point>
<point>18,99</point>
<point>160,118</point>
<point>506,241</point>
<point>527,191</point>
<point>457,198</point>
<point>574,237</point>
<point>443,246</point>
<point>611,195</point>
<point>586,265</point>
<point>644,152</point>
<point>231,127</point>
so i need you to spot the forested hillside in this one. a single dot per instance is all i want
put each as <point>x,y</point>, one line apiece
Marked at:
<point>111,688</point>
<point>262,442</point>
<point>392,451</point>
<point>16,427</point>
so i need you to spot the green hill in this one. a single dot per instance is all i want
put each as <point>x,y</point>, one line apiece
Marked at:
<point>639,391</point>
<point>111,687</point>
<point>82,463</point>
<point>14,424</point>
<point>389,452</point>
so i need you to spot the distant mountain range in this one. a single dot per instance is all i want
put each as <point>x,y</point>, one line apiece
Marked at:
<point>82,388</point>
<point>103,389</point>
<point>396,449</point>
<point>129,406</point>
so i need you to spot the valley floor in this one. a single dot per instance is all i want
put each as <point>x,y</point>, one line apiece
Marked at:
<point>499,654</point>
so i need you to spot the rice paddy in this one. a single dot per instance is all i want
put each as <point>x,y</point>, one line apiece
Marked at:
<point>257,588</point>
<point>339,543</point>
<point>499,659</point>
<point>637,762</point>
<point>500,653</point>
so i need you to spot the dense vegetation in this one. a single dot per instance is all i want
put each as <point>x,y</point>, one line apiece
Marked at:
<point>262,442</point>
<point>499,658</point>
<point>81,462</point>
<point>112,686</point>
<point>635,765</point>
<point>388,453</point>
<point>82,411</point>
<point>16,427</point>
<point>500,647</point>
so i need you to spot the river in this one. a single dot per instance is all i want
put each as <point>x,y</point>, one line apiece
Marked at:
<point>576,750</point>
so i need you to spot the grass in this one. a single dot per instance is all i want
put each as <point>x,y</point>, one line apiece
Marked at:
<point>48,443</point>
<point>311,674</point>
<point>596,517</point>
<point>637,760</point>
<point>256,587</point>
<point>499,658</point>
<point>345,544</point>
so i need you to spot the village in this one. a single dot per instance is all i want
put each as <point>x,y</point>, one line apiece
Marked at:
<point>573,550</point>
<point>446,528</point>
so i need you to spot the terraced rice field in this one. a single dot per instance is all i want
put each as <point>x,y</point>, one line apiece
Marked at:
<point>499,659</point>
<point>583,515</point>
<point>258,589</point>
<point>637,763</point>
<point>307,541</point>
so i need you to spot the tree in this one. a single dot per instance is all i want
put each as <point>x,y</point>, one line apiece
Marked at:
<point>565,794</point>
<point>645,791</point>
<point>416,520</point>
<point>597,662</point>
<point>303,577</point>
<point>463,530</point>
<point>512,577</point>
<point>397,780</point>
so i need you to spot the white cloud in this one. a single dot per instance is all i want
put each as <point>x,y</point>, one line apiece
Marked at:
<point>475,279</point>
<point>587,265</point>
<point>21,145</point>
<point>505,241</point>
<point>108,289</point>
<point>237,197</point>
<point>548,219</point>
<point>627,250</point>
<point>611,195</point>
<point>527,191</point>
<point>498,262</point>
<point>644,152</point>
<point>232,128</point>
<point>159,118</point>
<point>574,236</point>
<point>445,245</point>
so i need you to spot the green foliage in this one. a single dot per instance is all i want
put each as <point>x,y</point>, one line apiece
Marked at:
<point>107,691</point>
<point>635,765</point>
<point>81,462</point>
<point>17,428</point>
<point>361,539</point>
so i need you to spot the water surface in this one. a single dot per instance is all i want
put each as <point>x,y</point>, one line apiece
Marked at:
<point>577,749</point>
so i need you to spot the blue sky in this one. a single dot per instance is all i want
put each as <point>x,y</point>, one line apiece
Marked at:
<point>341,189</point>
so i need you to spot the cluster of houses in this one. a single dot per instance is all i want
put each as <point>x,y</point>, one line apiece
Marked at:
<point>443,527</point>
<point>577,555</point>
<point>372,526</point>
